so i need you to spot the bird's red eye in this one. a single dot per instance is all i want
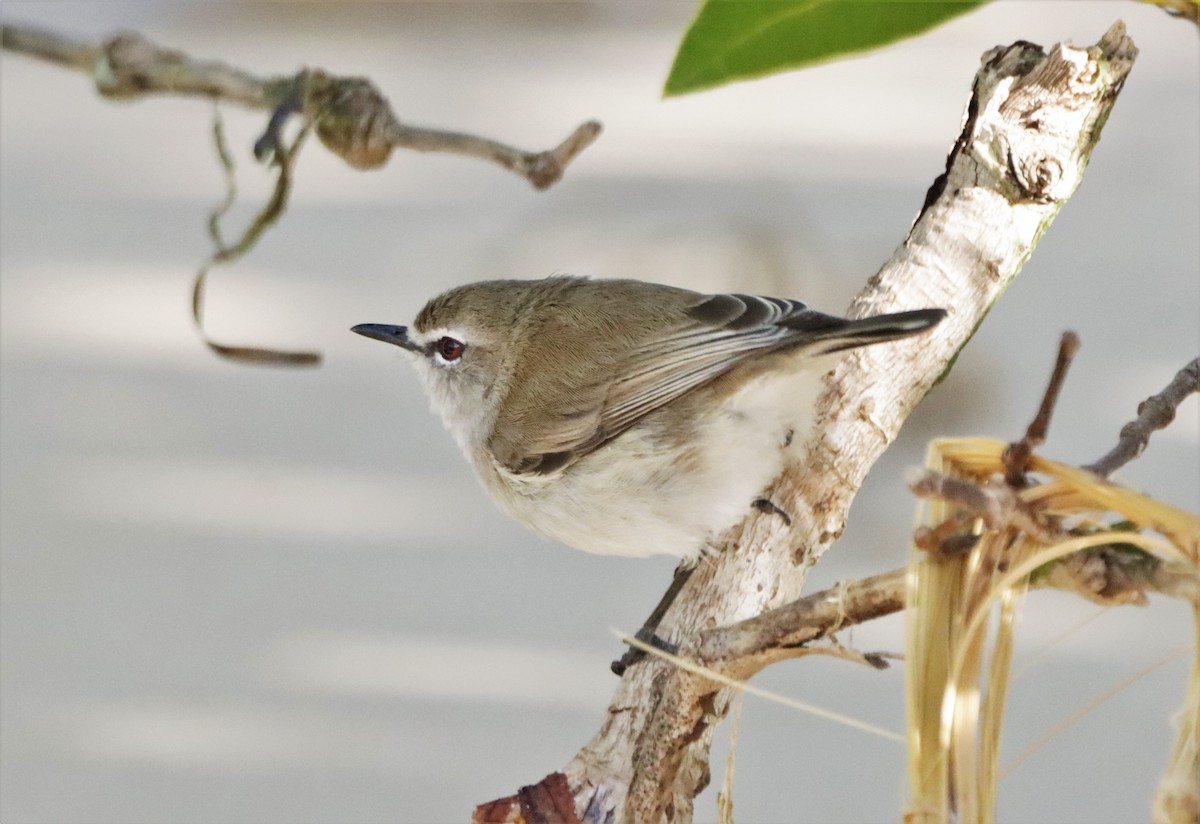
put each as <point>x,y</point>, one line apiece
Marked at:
<point>450,349</point>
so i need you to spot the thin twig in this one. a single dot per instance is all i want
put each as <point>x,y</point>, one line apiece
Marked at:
<point>1016,457</point>
<point>806,619</point>
<point>354,120</point>
<point>1106,575</point>
<point>49,46</point>
<point>1154,413</point>
<point>998,506</point>
<point>721,675</point>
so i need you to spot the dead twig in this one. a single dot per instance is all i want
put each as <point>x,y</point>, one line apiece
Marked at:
<point>804,620</point>
<point>1154,413</point>
<point>49,46</point>
<point>1108,575</point>
<point>354,120</point>
<point>998,506</point>
<point>1016,457</point>
<point>284,158</point>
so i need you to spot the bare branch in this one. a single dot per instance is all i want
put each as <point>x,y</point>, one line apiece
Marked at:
<point>802,621</point>
<point>49,46</point>
<point>353,119</point>
<point>1154,413</point>
<point>1106,575</point>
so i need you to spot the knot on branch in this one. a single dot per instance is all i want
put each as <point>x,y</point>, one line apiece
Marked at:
<point>1038,177</point>
<point>353,119</point>
<point>545,168</point>
<point>130,65</point>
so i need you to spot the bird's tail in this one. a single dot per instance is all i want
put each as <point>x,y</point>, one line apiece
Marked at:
<point>850,334</point>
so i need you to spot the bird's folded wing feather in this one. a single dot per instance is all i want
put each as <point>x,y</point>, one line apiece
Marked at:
<point>715,335</point>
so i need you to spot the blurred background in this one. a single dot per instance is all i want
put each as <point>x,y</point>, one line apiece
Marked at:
<point>236,594</point>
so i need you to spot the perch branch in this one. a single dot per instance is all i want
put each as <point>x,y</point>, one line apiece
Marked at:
<point>353,119</point>
<point>1030,128</point>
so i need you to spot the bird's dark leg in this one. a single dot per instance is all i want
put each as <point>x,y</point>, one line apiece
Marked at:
<point>646,633</point>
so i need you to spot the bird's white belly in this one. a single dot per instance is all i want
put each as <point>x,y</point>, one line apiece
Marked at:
<point>643,495</point>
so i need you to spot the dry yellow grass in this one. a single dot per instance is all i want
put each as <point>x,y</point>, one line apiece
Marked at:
<point>961,616</point>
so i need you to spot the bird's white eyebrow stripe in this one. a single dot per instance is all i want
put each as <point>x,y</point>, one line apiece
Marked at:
<point>425,338</point>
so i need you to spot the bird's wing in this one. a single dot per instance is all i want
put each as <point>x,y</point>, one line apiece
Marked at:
<point>713,336</point>
<point>723,332</point>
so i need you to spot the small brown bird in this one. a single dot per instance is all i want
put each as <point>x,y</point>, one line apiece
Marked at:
<point>622,417</point>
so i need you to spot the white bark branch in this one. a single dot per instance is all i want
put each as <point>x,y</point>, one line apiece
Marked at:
<point>1030,127</point>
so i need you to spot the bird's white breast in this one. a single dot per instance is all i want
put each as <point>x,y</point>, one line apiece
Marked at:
<point>646,493</point>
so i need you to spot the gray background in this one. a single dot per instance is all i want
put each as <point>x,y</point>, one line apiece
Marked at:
<point>236,594</point>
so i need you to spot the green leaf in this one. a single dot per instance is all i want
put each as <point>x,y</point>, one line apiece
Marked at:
<point>741,39</point>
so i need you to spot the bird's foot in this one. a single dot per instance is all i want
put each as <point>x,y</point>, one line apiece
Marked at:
<point>769,507</point>
<point>635,654</point>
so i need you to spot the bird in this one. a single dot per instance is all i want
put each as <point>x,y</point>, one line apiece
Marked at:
<point>623,417</point>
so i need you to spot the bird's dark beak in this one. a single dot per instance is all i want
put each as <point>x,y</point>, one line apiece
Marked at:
<point>395,335</point>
